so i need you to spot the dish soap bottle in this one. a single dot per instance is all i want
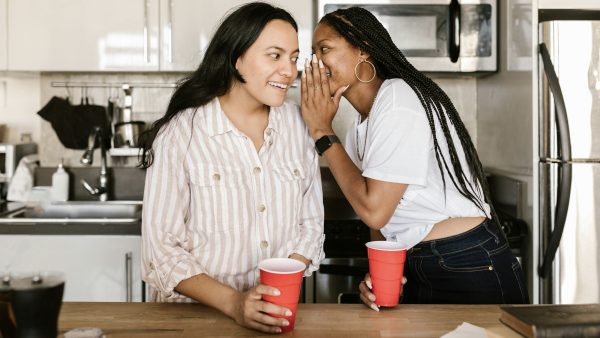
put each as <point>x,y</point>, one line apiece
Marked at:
<point>60,184</point>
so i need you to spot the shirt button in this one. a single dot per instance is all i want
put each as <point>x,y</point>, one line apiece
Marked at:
<point>270,142</point>
<point>296,172</point>
<point>257,171</point>
<point>217,177</point>
<point>152,266</point>
<point>269,131</point>
<point>264,244</point>
<point>262,208</point>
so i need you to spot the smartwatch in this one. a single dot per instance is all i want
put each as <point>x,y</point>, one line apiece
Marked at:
<point>323,143</point>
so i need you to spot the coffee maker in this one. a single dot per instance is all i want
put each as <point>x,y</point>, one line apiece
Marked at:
<point>10,155</point>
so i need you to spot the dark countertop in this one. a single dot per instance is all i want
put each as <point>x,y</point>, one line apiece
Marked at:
<point>97,228</point>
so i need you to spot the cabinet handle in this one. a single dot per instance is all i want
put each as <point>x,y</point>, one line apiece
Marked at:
<point>146,33</point>
<point>170,31</point>
<point>128,277</point>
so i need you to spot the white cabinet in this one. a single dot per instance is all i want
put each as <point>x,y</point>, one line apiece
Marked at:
<point>186,29</point>
<point>3,36</point>
<point>82,35</point>
<point>116,35</point>
<point>188,25</point>
<point>96,267</point>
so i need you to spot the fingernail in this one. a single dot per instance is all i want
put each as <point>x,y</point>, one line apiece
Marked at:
<point>288,313</point>
<point>347,86</point>
<point>277,330</point>
<point>314,58</point>
<point>276,292</point>
<point>304,74</point>
<point>321,64</point>
<point>374,307</point>
<point>286,323</point>
<point>369,285</point>
<point>372,298</point>
<point>306,63</point>
<point>403,280</point>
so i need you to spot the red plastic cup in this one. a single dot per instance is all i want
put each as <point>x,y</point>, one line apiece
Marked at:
<point>284,274</point>
<point>386,266</point>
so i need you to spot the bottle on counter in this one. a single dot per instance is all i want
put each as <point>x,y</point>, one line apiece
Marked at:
<point>60,184</point>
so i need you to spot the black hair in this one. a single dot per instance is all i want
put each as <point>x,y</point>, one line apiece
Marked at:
<point>362,29</point>
<point>217,72</point>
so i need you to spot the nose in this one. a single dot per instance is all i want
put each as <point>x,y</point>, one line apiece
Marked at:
<point>287,69</point>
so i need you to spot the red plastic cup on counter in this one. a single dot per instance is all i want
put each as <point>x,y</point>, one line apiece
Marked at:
<point>284,274</point>
<point>386,266</point>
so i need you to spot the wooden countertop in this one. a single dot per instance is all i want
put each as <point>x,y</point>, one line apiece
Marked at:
<point>313,320</point>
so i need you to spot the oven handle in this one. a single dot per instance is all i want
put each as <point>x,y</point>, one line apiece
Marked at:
<point>454,31</point>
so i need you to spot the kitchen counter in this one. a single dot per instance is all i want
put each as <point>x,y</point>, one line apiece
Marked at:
<point>313,320</point>
<point>97,227</point>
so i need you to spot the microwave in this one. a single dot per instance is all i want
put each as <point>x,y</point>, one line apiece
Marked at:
<point>447,36</point>
<point>10,155</point>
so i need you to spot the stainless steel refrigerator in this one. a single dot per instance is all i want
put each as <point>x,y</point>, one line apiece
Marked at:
<point>567,153</point>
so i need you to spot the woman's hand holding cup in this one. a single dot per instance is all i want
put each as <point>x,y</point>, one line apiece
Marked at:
<point>253,312</point>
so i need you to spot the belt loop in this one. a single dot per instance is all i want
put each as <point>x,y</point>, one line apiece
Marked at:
<point>434,250</point>
<point>486,224</point>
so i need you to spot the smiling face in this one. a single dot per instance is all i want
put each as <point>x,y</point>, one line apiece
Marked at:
<point>269,65</point>
<point>338,55</point>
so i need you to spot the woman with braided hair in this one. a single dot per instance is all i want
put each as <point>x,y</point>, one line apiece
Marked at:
<point>410,169</point>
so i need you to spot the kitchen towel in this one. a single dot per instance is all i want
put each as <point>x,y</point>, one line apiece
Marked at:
<point>73,124</point>
<point>22,181</point>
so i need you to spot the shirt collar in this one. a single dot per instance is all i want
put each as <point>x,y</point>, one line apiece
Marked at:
<point>217,123</point>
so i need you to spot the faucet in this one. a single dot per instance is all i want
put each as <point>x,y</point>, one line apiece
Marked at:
<point>88,158</point>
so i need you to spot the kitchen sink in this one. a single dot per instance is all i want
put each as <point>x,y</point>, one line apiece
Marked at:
<point>79,212</point>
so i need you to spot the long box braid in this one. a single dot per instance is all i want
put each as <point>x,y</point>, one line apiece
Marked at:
<point>390,62</point>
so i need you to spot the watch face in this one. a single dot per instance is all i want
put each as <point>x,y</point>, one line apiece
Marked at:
<point>325,142</point>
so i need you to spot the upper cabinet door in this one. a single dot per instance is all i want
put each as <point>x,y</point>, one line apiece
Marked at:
<point>3,35</point>
<point>83,35</point>
<point>187,26</point>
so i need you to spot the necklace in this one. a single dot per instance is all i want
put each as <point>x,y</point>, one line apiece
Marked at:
<point>360,158</point>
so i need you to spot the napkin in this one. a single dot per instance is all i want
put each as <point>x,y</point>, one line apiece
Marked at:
<point>467,330</point>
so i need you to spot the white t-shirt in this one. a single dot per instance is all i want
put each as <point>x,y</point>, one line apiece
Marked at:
<point>399,149</point>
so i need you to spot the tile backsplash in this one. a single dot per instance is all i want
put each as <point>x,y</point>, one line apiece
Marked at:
<point>151,103</point>
<point>148,105</point>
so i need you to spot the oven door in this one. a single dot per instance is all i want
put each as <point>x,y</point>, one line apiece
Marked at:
<point>338,278</point>
<point>436,35</point>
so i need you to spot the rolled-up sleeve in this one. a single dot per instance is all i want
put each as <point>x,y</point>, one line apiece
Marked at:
<point>166,259</point>
<point>311,238</point>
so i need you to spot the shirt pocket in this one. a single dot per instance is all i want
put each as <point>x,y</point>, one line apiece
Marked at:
<point>289,177</point>
<point>221,199</point>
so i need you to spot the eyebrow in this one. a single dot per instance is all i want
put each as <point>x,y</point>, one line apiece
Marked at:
<point>283,50</point>
<point>321,41</point>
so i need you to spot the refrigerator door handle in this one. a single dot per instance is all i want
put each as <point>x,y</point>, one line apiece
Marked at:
<point>565,168</point>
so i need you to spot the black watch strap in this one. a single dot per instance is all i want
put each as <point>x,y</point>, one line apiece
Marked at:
<point>325,142</point>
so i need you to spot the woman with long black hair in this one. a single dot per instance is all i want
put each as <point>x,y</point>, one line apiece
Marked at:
<point>232,175</point>
<point>410,168</point>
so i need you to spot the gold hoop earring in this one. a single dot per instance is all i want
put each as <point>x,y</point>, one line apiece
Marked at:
<point>356,70</point>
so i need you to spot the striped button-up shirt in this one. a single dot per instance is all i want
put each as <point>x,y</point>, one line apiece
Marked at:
<point>214,205</point>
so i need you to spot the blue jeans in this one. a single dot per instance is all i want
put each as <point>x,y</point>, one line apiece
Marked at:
<point>475,267</point>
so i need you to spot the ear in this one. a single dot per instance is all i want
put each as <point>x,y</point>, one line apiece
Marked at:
<point>363,55</point>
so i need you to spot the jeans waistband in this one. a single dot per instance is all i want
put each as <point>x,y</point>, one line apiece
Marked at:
<point>483,232</point>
